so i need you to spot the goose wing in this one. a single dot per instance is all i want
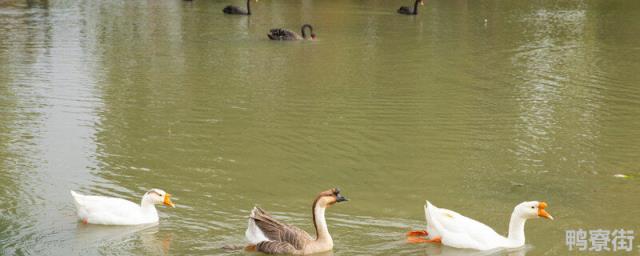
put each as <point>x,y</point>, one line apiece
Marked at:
<point>459,231</point>
<point>276,247</point>
<point>277,231</point>
<point>105,210</point>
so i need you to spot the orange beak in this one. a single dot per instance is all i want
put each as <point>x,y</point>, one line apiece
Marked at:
<point>167,201</point>
<point>542,213</point>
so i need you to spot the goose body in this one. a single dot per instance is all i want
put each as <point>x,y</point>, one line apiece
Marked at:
<point>455,230</point>
<point>268,235</point>
<point>284,34</point>
<point>116,211</point>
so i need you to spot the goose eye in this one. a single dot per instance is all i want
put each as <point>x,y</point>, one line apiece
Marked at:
<point>533,207</point>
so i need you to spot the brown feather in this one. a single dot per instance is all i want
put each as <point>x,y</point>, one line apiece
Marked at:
<point>276,247</point>
<point>280,232</point>
<point>286,239</point>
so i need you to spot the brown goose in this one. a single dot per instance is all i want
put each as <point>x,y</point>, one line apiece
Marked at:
<point>406,11</point>
<point>268,235</point>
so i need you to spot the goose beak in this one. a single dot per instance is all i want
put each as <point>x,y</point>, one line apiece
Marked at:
<point>542,213</point>
<point>340,198</point>
<point>167,201</point>
<point>421,2</point>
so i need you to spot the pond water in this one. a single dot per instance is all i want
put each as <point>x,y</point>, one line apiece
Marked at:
<point>474,105</point>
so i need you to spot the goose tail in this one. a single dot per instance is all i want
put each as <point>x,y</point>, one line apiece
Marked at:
<point>76,197</point>
<point>433,226</point>
<point>253,233</point>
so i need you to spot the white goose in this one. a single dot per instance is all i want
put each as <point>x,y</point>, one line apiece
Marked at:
<point>452,229</point>
<point>116,211</point>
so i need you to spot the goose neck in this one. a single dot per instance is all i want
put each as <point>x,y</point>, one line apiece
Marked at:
<point>516,229</point>
<point>322,232</point>
<point>147,206</point>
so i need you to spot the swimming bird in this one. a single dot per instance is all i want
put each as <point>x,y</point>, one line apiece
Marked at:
<point>268,235</point>
<point>116,211</point>
<point>406,11</point>
<point>455,230</point>
<point>232,9</point>
<point>285,34</point>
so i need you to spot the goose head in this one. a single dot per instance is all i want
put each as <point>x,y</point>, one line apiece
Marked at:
<point>158,196</point>
<point>421,2</point>
<point>532,210</point>
<point>330,197</point>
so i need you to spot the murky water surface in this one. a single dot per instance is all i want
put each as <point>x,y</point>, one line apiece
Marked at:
<point>474,105</point>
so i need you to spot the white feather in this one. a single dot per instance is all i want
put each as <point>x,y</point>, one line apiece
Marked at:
<point>458,231</point>
<point>253,234</point>
<point>112,211</point>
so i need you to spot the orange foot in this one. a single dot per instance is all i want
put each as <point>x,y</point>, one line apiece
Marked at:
<point>417,233</point>
<point>416,240</point>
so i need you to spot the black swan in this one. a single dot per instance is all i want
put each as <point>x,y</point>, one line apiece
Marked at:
<point>406,11</point>
<point>232,9</point>
<point>285,34</point>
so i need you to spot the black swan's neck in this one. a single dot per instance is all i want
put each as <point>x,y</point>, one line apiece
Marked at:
<point>415,7</point>
<point>304,34</point>
<point>249,7</point>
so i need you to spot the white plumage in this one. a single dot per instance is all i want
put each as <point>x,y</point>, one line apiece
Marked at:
<point>456,230</point>
<point>116,211</point>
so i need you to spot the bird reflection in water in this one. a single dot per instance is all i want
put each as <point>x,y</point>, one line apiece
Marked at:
<point>153,241</point>
<point>440,250</point>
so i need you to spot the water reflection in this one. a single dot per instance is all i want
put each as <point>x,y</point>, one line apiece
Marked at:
<point>552,43</point>
<point>46,84</point>
<point>448,251</point>
<point>44,4</point>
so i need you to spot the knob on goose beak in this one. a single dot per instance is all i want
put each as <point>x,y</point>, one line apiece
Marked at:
<point>167,201</point>
<point>542,212</point>
<point>339,197</point>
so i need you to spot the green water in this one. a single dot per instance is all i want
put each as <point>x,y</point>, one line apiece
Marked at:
<point>474,105</point>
